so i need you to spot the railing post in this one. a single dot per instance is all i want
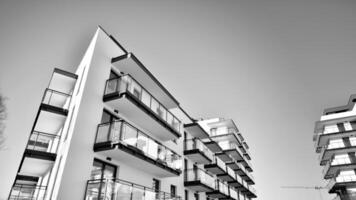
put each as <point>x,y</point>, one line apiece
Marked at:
<point>121,130</point>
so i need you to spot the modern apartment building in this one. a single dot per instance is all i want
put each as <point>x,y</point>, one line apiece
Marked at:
<point>111,130</point>
<point>335,141</point>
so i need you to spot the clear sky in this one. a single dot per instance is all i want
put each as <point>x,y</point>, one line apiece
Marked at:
<point>271,65</point>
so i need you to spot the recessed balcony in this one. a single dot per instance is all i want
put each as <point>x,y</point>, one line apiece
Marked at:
<point>130,98</point>
<point>122,141</point>
<point>341,182</point>
<point>221,190</point>
<point>199,180</point>
<point>195,150</point>
<point>27,191</point>
<point>217,166</point>
<point>323,139</point>
<point>333,167</point>
<point>116,189</point>
<point>327,153</point>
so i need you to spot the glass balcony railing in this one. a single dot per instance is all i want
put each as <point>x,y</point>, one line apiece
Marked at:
<point>341,179</point>
<point>233,193</point>
<point>219,163</point>
<point>120,131</point>
<point>25,191</point>
<point>56,99</point>
<point>43,142</point>
<point>127,84</point>
<point>231,172</point>
<point>199,175</point>
<point>221,187</point>
<point>195,143</point>
<point>116,189</point>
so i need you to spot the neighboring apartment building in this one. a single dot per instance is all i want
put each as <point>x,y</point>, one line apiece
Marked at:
<point>335,141</point>
<point>112,131</point>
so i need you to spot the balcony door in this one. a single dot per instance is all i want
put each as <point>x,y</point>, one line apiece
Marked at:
<point>103,170</point>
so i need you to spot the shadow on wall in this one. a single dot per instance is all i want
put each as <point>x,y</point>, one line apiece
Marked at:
<point>2,122</point>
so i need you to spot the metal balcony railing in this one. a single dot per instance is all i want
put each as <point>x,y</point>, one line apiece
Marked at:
<point>128,84</point>
<point>116,189</point>
<point>120,131</point>
<point>195,143</point>
<point>199,175</point>
<point>28,192</point>
<point>43,142</point>
<point>56,99</point>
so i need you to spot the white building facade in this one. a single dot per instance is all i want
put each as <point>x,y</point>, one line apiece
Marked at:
<point>112,131</point>
<point>335,142</point>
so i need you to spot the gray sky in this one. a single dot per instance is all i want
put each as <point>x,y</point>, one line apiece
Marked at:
<point>271,65</point>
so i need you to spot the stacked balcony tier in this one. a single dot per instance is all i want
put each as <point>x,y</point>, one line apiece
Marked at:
<point>123,141</point>
<point>130,98</point>
<point>195,150</point>
<point>116,189</point>
<point>199,180</point>
<point>44,141</point>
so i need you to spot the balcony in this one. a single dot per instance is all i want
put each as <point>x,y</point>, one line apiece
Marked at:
<point>323,139</point>
<point>27,191</point>
<point>116,189</point>
<point>122,141</point>
<point>221,190</point>
<point>233,194</point>
<point>195,150</point>
<point>196,130</point>
<point>333,167</point>
<point>217,166</point>
<point>135,102</point>
<point>251,192</point>
<point>129,64</point>
<point>228,176</point>
<point>40,154</point>
<point>212,145</point>
<point>341,182</point>
<point>241,171</point>
<point>199,180</point>
<point>327,153</point>
<point>237,183</point>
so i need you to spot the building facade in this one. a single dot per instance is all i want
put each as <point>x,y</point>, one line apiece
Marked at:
<point>335,142</point>
<point>111,130</point>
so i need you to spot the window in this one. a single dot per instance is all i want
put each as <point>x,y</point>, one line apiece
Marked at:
<point>107,117</point>
<point>196,196</point>
<point>186,195</point>
<point>156,185</point>
<point>334,144</point>
<point>353,141</point>
<point>173,191</point>
<point>341,159</point>
<point>331,129</point>
<point>103,170</point>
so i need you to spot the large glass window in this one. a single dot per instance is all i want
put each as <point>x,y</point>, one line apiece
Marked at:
<point>103,170</point>
<point>334,144</point>
<point>341,159</point>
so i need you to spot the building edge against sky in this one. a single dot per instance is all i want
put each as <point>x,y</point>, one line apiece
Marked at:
<point>111,130</point>
<point>335,142</point>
